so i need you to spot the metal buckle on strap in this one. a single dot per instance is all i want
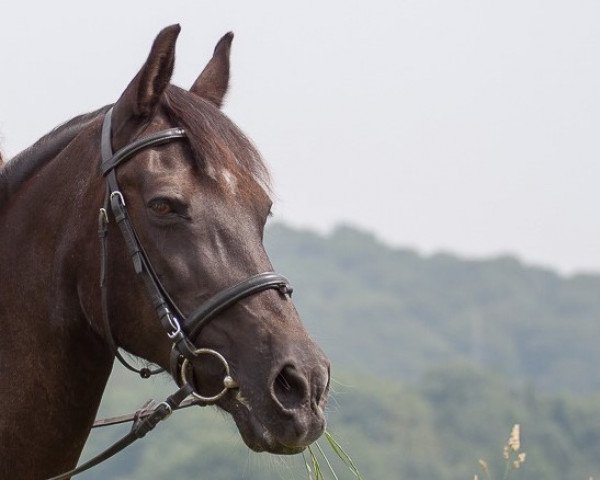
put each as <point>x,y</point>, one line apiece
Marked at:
<point>174,323</point>
<point>118,194</point>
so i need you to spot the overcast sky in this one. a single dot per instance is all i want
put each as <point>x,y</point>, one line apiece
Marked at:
<point>464,126</point>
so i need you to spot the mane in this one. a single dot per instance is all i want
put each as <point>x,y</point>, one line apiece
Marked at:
<point>22,166</point>
<point>217,143</point>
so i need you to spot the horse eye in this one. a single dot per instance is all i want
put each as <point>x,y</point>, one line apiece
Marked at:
<point>160,207</point>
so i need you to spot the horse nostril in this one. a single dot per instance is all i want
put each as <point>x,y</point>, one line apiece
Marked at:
<point>290,388</point>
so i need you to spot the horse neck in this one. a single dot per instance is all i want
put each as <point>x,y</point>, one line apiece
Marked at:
<point>54,366</point>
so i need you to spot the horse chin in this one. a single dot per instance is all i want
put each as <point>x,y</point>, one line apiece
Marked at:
<point>255,435</point>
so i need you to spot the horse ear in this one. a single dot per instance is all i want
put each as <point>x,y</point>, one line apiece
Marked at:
<point>140,99</point>
<point>213,81</point>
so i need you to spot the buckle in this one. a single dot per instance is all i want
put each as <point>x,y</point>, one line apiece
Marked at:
<point>118,194</point>
<point>174,323</point>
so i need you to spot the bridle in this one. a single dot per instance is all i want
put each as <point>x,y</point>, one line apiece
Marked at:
<point>179,328</point>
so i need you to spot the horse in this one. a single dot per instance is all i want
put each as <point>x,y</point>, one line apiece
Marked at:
<point>195,195</point>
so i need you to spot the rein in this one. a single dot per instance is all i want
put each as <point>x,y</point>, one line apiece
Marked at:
<point>142,412</point>
<point>181,330</point>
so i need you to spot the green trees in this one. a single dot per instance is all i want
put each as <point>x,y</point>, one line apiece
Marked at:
<point>392,312</point>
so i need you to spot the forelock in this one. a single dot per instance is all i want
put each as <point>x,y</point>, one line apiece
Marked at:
<point>220,148</point>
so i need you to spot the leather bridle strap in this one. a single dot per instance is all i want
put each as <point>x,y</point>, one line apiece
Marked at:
<point>144,372</point>
<point>111,160</point>
<point>116,202</point>
<point>226,298</point>
<point>222,301</point>
<point>141,426</point>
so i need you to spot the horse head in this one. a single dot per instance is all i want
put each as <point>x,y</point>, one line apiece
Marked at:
<point>199,205</point>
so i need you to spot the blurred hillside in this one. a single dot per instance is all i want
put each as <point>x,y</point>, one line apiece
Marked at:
<point>435,358</point>
<point>395,314</point>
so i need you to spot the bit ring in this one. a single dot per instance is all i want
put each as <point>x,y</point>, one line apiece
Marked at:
<point>228,381</point>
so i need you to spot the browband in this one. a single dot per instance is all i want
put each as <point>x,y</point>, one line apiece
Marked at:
<point>111,160</point>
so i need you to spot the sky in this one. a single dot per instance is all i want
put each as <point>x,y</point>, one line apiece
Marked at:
<point>461,126</point>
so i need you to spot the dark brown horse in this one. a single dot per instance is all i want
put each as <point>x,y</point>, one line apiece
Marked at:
<point>199,206</point>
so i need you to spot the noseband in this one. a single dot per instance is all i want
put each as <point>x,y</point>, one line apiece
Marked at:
<point>179,328</point>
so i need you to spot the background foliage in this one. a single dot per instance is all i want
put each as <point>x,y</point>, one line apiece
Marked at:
<point>434,359</point>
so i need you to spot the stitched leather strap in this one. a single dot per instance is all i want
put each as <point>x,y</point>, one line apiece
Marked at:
<point>139,429</point>
<point>226,298</point>
<point>111,160</point>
